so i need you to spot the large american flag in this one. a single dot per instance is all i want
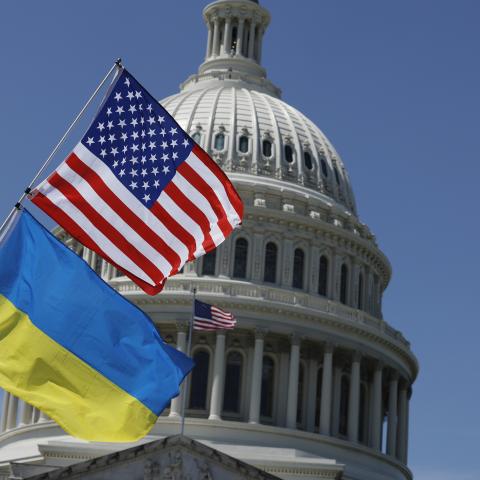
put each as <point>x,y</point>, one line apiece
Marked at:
<point>209,317</point>
<point>138,191</point>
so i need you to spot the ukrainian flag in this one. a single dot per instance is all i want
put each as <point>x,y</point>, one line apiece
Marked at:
<point>73,347</point>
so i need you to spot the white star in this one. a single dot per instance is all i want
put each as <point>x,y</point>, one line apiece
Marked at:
<point>140,107</point>
<point>153,158</point>
<point>149,108</point>
<point>122,123</point>
<point>174,156</point>
<point>143,147</point>
<point>127,81</point>
<point>124,149</point>
<point>146,198</point>
<point>133,172</point>
<point>151,120</point>
<point>166,169</point>
<point>185,143</point>
<point>133,185</point>
<point>144,172</point>
<point>156,183</point>
<point>115,164</point>
<point>144,159</point>
<point>124,161</point>
<point>101,126</point>
<point>138,95</point>
<point>110,125</point>
<point>155,171</point>
<point>114,151</point>
<point>134,135</point>
<point>124,136</point>
<point>151,132</point>
<point>111,138</point>
<point>122,172</point>
<point>164,145</point>
<point>161,119</point>
<point>143,134</point>
<point>173,143</point>
<point>134,147</point>
<point>152,145</point>
<point>130,95</point>
<point>132,109</point>
<point>134,160</point>
<point>165,157</point>
<point>90,141</point>
<point>173,131</point>
<point>109,111</point>
<point>120,110</point>
<point>134,122</point>
<point>103,153</point>
<point>118,96</point>
<point>145,185</point>
<point>142,120</point>
<point>102,140</point>
<point>163,132</point>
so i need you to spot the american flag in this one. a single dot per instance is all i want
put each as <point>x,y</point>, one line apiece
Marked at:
<point>138,191</point>
<point>209,317</point>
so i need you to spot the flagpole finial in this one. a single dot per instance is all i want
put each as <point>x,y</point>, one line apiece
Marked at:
<point>118,63</point>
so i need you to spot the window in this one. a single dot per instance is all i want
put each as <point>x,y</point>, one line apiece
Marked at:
<point>240,259</point>
<point>197,137</point>
<point>344,393</point>
<point>323,276</point>
<point>288,153</point>
<point>199,380</point>
<point>298,266</point>
<point>337,176</point>
<point>219,141</point>
<point>323,163</point>
<point>270,272</point>
<point>267,148</point>
<point>343,284</point>
<point>268,372</point>
<point>308,160</point>
<point>301,386</point>
<point>243,144</point>
<point>208,263</point>
<point>233,383</point>
<point>360,292</point>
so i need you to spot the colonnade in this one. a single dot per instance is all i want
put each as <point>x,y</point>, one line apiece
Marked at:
<point>16,413</point>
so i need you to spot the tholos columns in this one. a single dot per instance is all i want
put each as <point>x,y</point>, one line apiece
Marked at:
<point>354,399</point>
<point>176,404</point>
<point>256,388</point>
<point>251,39</point>
<point>312,394</point>
<point>227,36</point>
<point>337,384</point>
<point>6,401</point>
<point>292,396</point>
<point>377,410</point>
<point>402,422</point>
<point>209,41</point>
<point>216,37</point>
<point>216,398</point>
<point>392,415</point>
<point>241,25</point>
<point>326,399</point>
<point>12,412</point>
<point>26,414</point>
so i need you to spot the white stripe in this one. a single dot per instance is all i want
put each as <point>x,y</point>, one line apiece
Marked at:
<point>114,219</point>
<point>130,200</point>
<point>215,321</point>
<point>198,166</point>
<point>110,249</point>
<point>202,203</point>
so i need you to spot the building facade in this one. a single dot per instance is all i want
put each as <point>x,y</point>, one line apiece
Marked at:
<point>313,383</point>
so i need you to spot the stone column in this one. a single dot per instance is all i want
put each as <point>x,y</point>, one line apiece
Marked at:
<point>326,400</point>
<point>12,412</point>
<point>43,417</point>
<point>241,25</point>
<point>176,403</point>
<point>209,41</point>
<point>354,399</point>
<point>6,401</point>
<point>312,394</point>
<point>377,410</point>
<point>227,38</point>
<point>261,31</point>
<point>256,388</point>
<point>292,397</point>
<point>337,385</point>
<point>392,415</point>
<point>251,40</point>
<point>216,37</point>
<point>216,398</point>
<point>27,411</point>
<point>402,423</point>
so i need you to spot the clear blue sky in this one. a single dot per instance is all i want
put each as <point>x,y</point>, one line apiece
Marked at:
<point>394,85</point>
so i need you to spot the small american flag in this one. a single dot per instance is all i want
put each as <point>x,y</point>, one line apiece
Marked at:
<point>139,192</point>
<point>209,317</point>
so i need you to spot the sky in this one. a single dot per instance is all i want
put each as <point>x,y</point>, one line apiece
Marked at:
<point>396,88</point>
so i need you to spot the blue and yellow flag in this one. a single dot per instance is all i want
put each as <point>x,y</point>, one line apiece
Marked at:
<point>76,349</point>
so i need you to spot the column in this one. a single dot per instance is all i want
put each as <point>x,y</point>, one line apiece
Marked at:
<point>241,25</point>
<point>402,423</point>
<point>6,401</point>
<point>326,400</point>
<point>256,386</point>
<point>209,41</point>
<point>377,410</point>
<point>26,414</point>
<point>392,415</point>
<point>216,399</point>
<point>292,396</point>
<point>354,399</point>
<point>43,417</point>
<point>261,31</point>
<point>12,412</point>
<point>216,37</point>
<point>337,385</point>
<point>227,38</point>
<point>312,394</point>
<point>251,40</point>
<point>176,403</point>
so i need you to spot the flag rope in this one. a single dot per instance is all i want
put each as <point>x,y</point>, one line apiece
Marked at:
<point>18,206</point>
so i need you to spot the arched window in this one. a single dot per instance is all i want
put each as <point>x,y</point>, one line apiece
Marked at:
<point>343,284</point>
<point>197,137</point>
<point>208,262</point>
<point>337,176</point>
<point>318,397</point>
<point>233,383</point>
<point>268,379</point>
<point>323,163</point>
<point>344,393</point>
<point>362,430</point>
<point>243,144</point>
<point>288,153</point>
<point>270,271</point>
<point>308,160</point>
<point>360,292</point>
<point>298,267</point>
<point>219,141</point>
<point>240,259</point>
<point>267,148</point>
<point>199,380</point>
<point>323,275</point>
<point>301,386</point>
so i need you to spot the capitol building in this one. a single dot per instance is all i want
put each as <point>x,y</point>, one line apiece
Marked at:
<point>313,383</point>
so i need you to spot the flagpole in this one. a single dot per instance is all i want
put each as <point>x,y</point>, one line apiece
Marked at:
<point>18,205</point>
<point>189,347</point>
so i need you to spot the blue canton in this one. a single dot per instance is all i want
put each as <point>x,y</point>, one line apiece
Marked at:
<point>138,140</point>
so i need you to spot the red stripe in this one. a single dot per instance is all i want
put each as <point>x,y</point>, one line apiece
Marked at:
<point>232,194</point>
<point>174,227</point>
<point>192,211</point>
<point>202,186</point>
<point>210,326</point>
<point>215,321</point>
<point>106,228</point>
<point>77,232</point>
<point>123,211</point>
